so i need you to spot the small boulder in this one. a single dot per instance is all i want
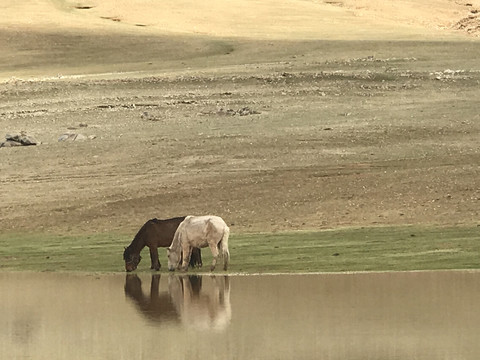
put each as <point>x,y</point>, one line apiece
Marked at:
<point>72,137</point>
<point>19,139</point>
<point>9,143</point>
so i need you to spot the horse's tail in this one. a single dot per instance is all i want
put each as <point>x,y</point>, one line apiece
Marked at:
<point>223,246</point>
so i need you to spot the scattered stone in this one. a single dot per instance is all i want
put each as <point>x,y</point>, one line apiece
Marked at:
<point>149,117</point>
<point>9,143</point>
<point>470,24</point>
<point>113,18</point>
<point>448,75</point>
<point>21,139</point>
<point>72,137</point>
<point>245,111</point>
<point>186,102</point>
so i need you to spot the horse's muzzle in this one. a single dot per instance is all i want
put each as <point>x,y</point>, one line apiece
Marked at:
<point>130,268</point>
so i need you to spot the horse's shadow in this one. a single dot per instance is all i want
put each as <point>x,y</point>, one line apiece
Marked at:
<point>185,301</point>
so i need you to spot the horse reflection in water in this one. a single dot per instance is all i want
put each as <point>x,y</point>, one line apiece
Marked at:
<point>186,301</point>
<point>157,307</point>
<point>207,309</point>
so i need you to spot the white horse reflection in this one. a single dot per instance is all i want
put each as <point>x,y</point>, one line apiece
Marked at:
<point>202,306</point>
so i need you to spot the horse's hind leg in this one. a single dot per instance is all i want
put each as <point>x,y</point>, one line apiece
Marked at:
<point>226,259</point>
<point>224,246</point>
<point>196,259</point>
<point>215,254</point>
<point>154,258</point>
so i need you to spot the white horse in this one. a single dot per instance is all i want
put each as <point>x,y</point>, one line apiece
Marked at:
<point>199,232</point>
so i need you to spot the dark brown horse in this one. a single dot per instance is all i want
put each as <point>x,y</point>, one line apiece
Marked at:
<point>155,233</point>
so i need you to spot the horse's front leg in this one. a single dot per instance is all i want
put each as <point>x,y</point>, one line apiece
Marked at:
<point>187,253</point>
<point>215,253</point>
<point>154,258</point>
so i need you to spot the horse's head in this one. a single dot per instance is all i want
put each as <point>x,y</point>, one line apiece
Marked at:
<point>131,260</point>
<point>174,258</point>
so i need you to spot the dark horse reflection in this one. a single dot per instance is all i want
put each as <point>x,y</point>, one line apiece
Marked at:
<point>156,306</point>
<point>195,301</point>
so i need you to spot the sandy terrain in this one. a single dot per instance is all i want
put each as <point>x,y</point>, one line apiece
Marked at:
<point>276,115</point>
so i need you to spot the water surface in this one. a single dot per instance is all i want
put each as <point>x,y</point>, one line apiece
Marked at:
<point>414,315</point>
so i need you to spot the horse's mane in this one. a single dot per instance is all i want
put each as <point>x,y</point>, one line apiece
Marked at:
<point>159,221</point>
<point>176,239</point>
<point>138,237</point>
<point>126,253</point>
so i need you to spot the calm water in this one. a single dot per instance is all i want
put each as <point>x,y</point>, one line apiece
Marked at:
<point>430,315</point>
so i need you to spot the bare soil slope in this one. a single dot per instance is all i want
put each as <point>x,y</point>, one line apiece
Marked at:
<point>275,115</point>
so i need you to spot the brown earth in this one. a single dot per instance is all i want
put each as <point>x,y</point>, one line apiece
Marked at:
<point>274,122</point>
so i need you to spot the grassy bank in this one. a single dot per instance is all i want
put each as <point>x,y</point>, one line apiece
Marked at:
<point>364,249</point>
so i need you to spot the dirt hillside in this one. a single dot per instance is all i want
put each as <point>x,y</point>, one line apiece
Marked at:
<point>276,115</point>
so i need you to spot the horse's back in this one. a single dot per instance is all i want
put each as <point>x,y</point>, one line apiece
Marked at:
<point>204,221</point>
<point>199,229</point>
<point>160,232</point>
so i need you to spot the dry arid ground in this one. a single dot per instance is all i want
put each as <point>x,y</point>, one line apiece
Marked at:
<point>276,115</point>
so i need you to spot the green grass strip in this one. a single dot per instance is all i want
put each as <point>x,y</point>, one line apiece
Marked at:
<point>352,249</point>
